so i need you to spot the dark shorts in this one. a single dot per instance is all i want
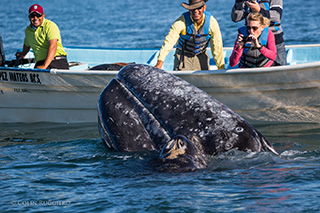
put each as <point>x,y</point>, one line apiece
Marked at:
<point>281,55</point>
<point>59,62</point>
<point>191,62</point>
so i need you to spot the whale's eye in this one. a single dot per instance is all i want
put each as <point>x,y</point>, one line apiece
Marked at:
<point>239,129</point>
<point>228,146</point>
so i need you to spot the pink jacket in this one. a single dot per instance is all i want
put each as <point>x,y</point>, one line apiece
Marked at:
<point>270,51</point>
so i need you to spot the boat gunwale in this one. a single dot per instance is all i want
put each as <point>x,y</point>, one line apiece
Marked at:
<point>139,49</point>
<point>200,72</point>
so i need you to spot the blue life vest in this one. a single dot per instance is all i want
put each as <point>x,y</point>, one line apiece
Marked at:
<point>195,42</point>
<point>251,56</point>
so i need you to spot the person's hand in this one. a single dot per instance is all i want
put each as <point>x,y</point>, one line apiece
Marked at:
<point>240,41</point>
<point>254,5</point>
<point>255,40</point>
<point>19,55</point>
<point>159,64</point>
<point>41,67</point>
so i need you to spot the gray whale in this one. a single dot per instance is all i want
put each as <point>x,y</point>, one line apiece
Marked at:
<point>146,109</point>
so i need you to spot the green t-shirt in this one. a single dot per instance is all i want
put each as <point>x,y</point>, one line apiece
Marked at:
<point>39,39</point>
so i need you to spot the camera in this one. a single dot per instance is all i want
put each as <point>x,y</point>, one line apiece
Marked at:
<point>251,1</point>
<point>247,39</point>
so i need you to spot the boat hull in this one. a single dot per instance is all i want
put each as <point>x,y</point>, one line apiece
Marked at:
<point>61,98</point>
<point>276,94</point>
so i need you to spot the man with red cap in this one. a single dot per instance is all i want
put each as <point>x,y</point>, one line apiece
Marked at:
<point>43,36</point>
<point>192,32</point>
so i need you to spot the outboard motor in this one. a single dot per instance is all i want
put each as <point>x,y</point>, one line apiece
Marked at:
<point>2,57</point>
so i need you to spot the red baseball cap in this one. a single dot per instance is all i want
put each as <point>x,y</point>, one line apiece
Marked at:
<point>36,8</point>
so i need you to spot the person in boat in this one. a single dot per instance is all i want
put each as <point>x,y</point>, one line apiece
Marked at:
<point>271,9</point>
<point>255,45</point>
<point>43,36</point>
<point>193,31</point>
<point>2,56</point>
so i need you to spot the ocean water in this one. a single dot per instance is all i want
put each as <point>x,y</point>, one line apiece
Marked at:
<point>46,167</point>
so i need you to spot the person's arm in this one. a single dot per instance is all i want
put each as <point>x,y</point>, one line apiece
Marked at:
<point>170,40</point>
<point>270,51</point>
<point>51,53</point>
<point>236,53</point>
<point>24,52</point>
<point>216,43</point>
<point>238,10</point>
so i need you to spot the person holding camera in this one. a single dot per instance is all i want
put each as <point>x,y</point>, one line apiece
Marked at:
<point>255,45</point>
<point>271,9</point>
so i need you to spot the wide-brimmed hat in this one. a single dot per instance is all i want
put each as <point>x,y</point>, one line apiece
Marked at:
<point>194,4</point>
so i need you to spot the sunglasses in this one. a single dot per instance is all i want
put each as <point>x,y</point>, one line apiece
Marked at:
<point>199,8</point>
<point>253,27</point>
<point>32,15</point>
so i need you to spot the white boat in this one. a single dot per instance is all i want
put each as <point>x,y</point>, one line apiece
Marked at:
<point>276,94</point>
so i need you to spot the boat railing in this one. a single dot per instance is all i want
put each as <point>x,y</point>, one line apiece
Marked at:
<point>87,57</point>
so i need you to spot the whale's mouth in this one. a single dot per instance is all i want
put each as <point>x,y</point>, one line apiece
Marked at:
<point>263,143</point>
